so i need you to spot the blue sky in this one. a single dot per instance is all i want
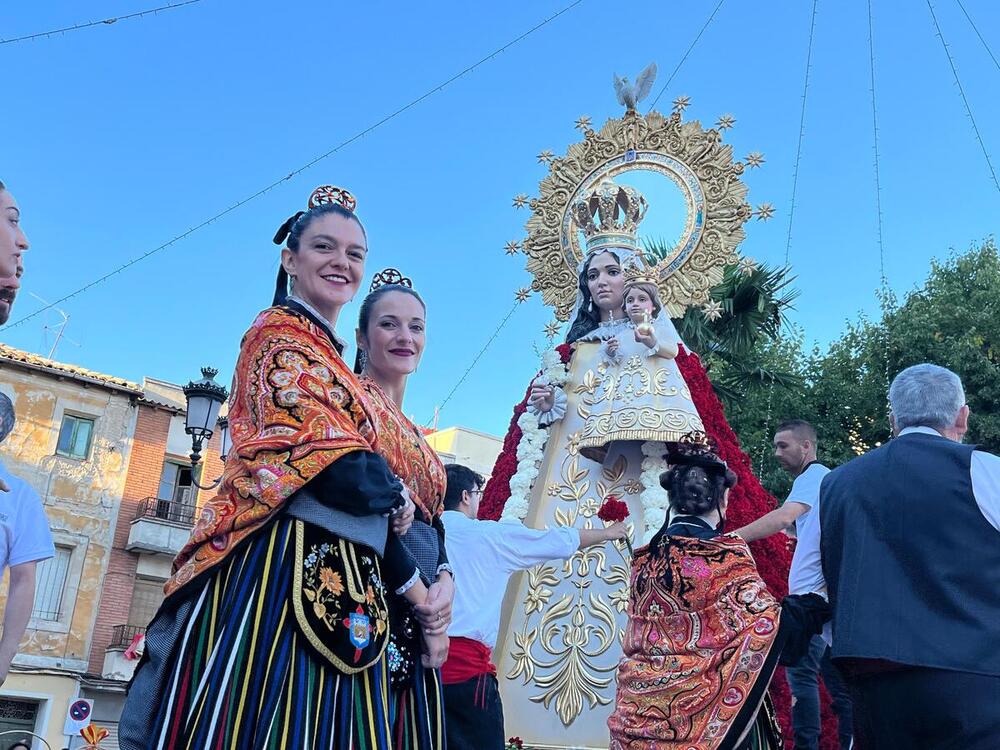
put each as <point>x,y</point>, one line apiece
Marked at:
<point>117,138</point>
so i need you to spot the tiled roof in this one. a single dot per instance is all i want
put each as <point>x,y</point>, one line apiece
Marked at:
<point>62,369</point>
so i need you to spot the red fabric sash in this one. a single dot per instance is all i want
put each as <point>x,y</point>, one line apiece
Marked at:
<point>466,659</point>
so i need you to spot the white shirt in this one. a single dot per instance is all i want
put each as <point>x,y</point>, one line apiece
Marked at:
<point>484,554</point>
<point>806,573</point>
<point>985,471</point>
<point>24,528</point>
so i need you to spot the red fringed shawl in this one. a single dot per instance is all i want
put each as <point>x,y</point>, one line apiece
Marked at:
<point>296,408</point>
<point>696,650</point>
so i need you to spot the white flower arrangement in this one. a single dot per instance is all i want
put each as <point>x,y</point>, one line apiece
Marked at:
<point>531,447</point>
<point>654,499</point>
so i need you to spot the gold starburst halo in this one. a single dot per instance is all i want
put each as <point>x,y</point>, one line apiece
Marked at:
<point>522,294</point>
<point>754,159</point>
<point>694,158</point>
<point>712,310</point>
<point>681,103</point>
<point>552,329</point>
<point>764,211</point>
<point>725,122</point>
<point>512,248</point>
<point>545,157</point>
<point>583,122</point>
<point>520,200</point>
<point>747,265</point>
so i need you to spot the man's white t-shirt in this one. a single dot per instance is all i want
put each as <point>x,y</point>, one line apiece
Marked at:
<point>806,573</point>
<point>24,527</point>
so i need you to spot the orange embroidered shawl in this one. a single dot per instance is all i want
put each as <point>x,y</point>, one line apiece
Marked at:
<point>404,448</point>
<point>697,648</point>
<point>296,407</point>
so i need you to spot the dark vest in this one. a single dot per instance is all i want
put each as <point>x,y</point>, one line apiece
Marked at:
<point>912,565</point>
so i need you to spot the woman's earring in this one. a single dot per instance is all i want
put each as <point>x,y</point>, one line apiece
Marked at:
<point>363,358</point>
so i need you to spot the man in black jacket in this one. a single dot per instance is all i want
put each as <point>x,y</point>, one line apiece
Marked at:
<point>911,554</point>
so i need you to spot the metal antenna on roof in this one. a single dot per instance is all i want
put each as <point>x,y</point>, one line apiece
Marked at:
<point>59,329</point>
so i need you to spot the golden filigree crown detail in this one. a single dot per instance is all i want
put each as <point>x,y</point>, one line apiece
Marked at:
<point>609,216</point>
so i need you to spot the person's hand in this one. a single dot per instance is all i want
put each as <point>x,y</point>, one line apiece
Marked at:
<point>612,346</point>
<point>402,518</point>
<point>435,651</point>
<point>644,334</point>
<point>542,397</point>
<point>616,531</point>
<point>434,615</point>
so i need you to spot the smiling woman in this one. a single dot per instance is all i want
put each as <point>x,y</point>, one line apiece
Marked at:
<point>13,244</point>
<point>280,597</point>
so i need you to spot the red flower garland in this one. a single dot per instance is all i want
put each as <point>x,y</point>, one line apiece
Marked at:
<point>748,501</point>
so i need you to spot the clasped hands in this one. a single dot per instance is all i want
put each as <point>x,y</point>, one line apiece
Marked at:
<point>434,614</point>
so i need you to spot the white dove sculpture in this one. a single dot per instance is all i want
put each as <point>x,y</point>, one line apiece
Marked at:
<point>628,95</point>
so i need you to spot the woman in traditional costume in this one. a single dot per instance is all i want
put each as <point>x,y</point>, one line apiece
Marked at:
<point>391,336</point>
<point>704,634</point>
<point>275,624</point>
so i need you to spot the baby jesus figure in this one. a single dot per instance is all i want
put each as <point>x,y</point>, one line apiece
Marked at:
<point>641,395</point>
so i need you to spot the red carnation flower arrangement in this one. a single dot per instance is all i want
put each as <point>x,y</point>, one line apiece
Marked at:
<point>614,510</point>
<point>514,743</point>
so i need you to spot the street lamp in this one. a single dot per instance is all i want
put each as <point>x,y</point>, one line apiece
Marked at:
<point>205,398</point>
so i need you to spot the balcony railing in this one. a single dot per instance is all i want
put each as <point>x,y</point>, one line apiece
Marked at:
<point>166,510</point>
<point>123,635</point>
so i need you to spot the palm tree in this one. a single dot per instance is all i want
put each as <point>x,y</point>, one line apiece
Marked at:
<point>754,302</point>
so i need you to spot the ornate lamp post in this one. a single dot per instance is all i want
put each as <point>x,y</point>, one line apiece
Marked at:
<point>205,398</point>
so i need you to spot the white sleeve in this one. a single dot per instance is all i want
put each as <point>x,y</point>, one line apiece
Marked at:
<point>666,333</point>
<point>805,488</point>
<point>986,485</point>
<point>521,548</point>
<point>32,540</point>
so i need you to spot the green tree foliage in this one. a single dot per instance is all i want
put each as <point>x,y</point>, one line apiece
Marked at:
<point>953,320</point>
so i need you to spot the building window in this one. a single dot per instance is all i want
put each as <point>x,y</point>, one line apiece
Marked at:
<point>15,717</point>
<point>176,492</point>
<point>50,585</point>
<point>75,436</point>
<point>147,596</point>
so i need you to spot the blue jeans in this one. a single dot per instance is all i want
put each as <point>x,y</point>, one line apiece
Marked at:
<point>803,679</point>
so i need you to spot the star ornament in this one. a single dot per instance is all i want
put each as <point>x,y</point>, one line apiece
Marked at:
<point>552,329</point>
<point>755,159</point>
<point>520,200</point>
<point>764,211</point>
<point>512,248</point>
<point>522,294</point>
<point>681,103</point>
<point>583,123</point>
<point>747,266</point>
<point>545,157</point>
<point>725,122</point>
<point>712,310</point>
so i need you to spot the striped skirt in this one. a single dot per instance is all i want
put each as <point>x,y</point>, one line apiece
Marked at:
<point>231,669</point>
<point>417,712</point>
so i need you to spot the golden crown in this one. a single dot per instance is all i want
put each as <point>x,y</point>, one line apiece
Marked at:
<point>609,216</point>
<point>636,271</point>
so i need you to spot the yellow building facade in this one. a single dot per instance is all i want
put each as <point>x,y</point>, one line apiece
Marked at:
<point>72,444</point>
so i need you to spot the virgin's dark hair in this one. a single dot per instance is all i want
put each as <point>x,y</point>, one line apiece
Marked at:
<point>365,313</point>
<point>589,317</point>
<point>290,233</point>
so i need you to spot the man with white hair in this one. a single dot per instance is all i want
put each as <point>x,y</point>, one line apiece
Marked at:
<point>911,554</point>
<point>25,540</point>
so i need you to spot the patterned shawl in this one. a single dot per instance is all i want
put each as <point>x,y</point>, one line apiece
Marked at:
<point>296,408</point>
<point>404,448</point>
<point>698,648</point>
